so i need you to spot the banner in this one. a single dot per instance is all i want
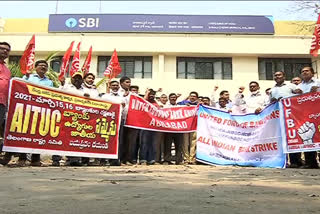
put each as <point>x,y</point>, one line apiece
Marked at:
<point>301,123</point>
<point>244,140</point>
<point>44,120</point>
<point>144,115</point>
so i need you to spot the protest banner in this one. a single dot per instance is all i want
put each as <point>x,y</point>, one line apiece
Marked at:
<point>44,120</point>
<point>245,140</point>
<point>301,124</point>
<point>143,115</point>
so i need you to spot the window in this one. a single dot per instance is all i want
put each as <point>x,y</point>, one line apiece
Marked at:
<point>14,59</point>
<point>132,66</point>
<point>291,67</point>
<point>56,63</point>
<point>204,68</point>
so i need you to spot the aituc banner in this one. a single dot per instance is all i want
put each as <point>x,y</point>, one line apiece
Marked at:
<point>44,120</point>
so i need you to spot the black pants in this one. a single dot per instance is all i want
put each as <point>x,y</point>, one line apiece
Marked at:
<point>177,139</point>
<point>2,119</point>
<point>311,159</point>
<point>133,142</point>
<point>123,147</point>
<point>34,157</point>
<point>295,158</point>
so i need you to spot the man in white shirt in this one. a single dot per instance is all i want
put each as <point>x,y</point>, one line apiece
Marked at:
<point>176,138</point>
<point>88,85</point>
<point>253,103</point>
<point>113,95</point>
<point>283,90</point>
<point>75,88</point>
<point>223,105</point>
<point>163,100</point>
<point>309,83</point>
<point>124,93</point>
<point>76,85</point>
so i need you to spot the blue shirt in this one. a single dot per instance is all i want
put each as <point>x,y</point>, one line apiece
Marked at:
<point>282,91</point>
<point>306,86</point>
<point>35,78</point>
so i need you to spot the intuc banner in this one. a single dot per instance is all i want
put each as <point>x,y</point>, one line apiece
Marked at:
<point>244,140</point>
<point>144,115</point>
<point>301,115</point>
<point>45,120</point>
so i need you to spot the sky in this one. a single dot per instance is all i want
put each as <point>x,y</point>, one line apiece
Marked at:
<point>280,10</point>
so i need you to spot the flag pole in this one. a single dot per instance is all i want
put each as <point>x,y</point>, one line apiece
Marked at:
<point>57,2</point>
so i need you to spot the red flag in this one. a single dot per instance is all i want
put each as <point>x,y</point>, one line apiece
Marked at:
<point>75,66</point>
<point>315,45</point>
<point>113,68</point>
<point>86,65</point>
<point>65,61</point>
<point>28,57</point>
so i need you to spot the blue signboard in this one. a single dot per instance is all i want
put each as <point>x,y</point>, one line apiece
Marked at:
<point>161,23</point>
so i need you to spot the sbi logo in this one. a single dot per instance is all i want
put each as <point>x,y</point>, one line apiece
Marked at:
<point>82,22</point>
<point>71,22</point>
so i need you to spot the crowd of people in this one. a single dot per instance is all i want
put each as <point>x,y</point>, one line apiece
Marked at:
<point>147,147</point>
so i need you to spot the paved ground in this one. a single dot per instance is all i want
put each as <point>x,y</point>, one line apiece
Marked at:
<point>158,189</point>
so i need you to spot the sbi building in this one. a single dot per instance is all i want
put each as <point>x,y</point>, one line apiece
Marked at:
<point>179,53</point>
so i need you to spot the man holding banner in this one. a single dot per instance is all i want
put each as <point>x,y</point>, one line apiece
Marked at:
<point>125,83</point>
<point>283,90</point>
<point>38,78</point>
<point>189,141</point>
<point>176,138</point>
<point>309,84</point>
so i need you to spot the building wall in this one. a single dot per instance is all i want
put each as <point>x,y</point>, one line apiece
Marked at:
<point>244,50</point>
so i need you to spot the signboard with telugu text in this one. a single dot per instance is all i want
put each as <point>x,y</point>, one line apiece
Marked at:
<point>44,120</point>
<point>161,23</point>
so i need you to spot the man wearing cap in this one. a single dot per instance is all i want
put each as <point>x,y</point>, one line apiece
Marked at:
<point>76,85</point>
<point>74,88</point>
<point>122,96</point>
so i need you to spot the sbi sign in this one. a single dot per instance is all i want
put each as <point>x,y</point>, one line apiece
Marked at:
<point>82,22</point>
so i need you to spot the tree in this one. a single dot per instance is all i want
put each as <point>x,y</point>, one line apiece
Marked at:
<point>305,7</point>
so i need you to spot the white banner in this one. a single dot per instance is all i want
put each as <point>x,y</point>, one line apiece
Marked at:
<point>245,140</point>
